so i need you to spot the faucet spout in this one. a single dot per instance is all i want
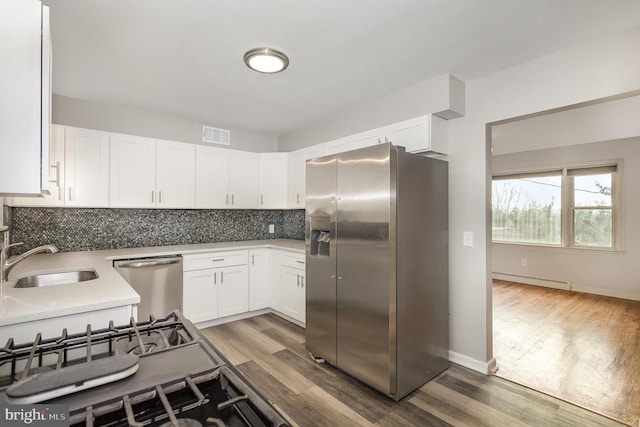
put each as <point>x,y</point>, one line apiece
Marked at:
<point>6,264</point>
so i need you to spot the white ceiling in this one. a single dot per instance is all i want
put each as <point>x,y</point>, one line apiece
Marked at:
<point>184,57</point>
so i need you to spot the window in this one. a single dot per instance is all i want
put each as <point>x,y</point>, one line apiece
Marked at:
<point>569,207</point>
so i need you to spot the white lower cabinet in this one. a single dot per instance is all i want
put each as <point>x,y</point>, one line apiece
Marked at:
<point>233,290</point>
<point>259,272</point>
<point>215,285</point>
<point>199,296</point>
<point>227,283</point>
<point>292,282</point>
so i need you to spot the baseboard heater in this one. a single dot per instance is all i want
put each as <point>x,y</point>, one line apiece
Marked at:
<point>538,281</point>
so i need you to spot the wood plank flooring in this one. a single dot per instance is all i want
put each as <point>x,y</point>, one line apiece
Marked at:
<point>580,347</point>
<point>270,353</point>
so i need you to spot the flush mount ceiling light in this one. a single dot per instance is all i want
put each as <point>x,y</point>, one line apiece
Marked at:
<point>266,60</point>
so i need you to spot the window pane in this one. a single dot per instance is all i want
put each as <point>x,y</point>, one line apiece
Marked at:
<point>527,210</point>
<point>592,227</point>
<point>592,190</point>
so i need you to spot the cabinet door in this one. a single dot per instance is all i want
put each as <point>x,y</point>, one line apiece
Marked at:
<point>175,174</point>
<point>24,138</point>
<point>199,295</point>
<point>259,282</point>
<point>336,146</point>
<point>212,177</point>
<point>367,139</point>
<point>293,295</point>
<point>297,182</point>
<point>86,167</point>
<point>233,290</point>
<point>133,171</point>
<point>275,291</point>
<point>243,180</point>
<point>56,174</point>
<point>426,133</point>
<point>273,180</point>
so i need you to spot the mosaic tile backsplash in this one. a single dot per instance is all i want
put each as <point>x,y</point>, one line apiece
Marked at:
<point>95,229</point>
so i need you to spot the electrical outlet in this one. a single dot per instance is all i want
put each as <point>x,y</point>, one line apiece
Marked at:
<point>467,238</point>
<point>272,228</point>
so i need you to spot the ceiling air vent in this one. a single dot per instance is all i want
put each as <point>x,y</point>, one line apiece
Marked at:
<point>216,136</point>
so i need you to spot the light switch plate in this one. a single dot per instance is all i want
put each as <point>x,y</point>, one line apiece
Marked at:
<point>467,238</point>
<point>272,228</point>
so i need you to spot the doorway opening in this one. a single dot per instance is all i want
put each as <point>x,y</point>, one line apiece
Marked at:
<point>566,320</point>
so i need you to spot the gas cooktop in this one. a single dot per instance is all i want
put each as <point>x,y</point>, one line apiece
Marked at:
<point>159,372</point>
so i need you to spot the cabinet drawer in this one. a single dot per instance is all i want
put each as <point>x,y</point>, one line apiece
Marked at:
<point>214,260</point>
<point>293,260</point>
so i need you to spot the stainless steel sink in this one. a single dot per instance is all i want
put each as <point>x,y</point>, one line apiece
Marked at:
<point>58,278</point>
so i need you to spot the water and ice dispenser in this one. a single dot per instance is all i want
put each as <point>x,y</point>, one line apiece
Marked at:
<point>320,236</point>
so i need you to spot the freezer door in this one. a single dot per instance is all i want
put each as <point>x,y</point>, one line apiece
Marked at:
<point>320,226</point>
<point>365,268</point>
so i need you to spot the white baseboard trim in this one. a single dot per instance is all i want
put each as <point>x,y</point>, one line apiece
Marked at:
<point>606,292</point>
<point>537,281</point>
<point>466,361</point>
<point>567,286</point>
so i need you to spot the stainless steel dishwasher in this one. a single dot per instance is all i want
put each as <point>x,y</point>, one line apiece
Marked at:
<point>157,280</point>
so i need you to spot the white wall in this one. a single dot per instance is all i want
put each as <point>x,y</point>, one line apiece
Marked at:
<point>93,115</point>
<point>604,121</point>
<point>601,69</point>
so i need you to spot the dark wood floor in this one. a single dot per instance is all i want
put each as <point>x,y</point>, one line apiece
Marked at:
<point>270,352</point>
<point>580,347</point>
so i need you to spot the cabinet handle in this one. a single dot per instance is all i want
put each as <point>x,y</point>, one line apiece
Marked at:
<point>57,168</point>
<point>160,197</point>
<point>253,259</point>
<point>222,277</point>
<point>386,140</point>
<point>299,262</point>
<point>232,199</point>
<point>302,280</point>
<point>226,199</point>
<point>152,201</point>
<point>297,198</point>
<point>297,280</point>
<point>379,141</point>
<point>69,193</point>
<point>215,282</point>
<point>217,260</point>
<point>261,199</point>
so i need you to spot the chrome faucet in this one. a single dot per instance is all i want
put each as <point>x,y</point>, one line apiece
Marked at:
<point>6,265</point>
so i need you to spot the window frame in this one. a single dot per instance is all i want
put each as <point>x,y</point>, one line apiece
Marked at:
<point>567,202</point>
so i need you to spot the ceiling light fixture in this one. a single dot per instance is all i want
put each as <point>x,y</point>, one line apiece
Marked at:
<point>266,60</point>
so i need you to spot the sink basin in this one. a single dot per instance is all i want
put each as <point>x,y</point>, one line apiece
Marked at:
<point>53,279</point>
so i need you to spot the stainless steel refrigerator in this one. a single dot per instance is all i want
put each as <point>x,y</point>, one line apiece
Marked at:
<point>377,266</point>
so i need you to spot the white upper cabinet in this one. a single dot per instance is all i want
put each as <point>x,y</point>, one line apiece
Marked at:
<point>212,177</point>
<point>243,180</point>
<point>26,97</point>
<point>146,173</point>
<point>273,180</point>
<point>86,180</point>
<point>175,175</point>
<point>297,174</point>
<point>423,134</point>
<point>226,179</point>
<point>56,174</point>
<point>367,139</point>
<point>133,171</point>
